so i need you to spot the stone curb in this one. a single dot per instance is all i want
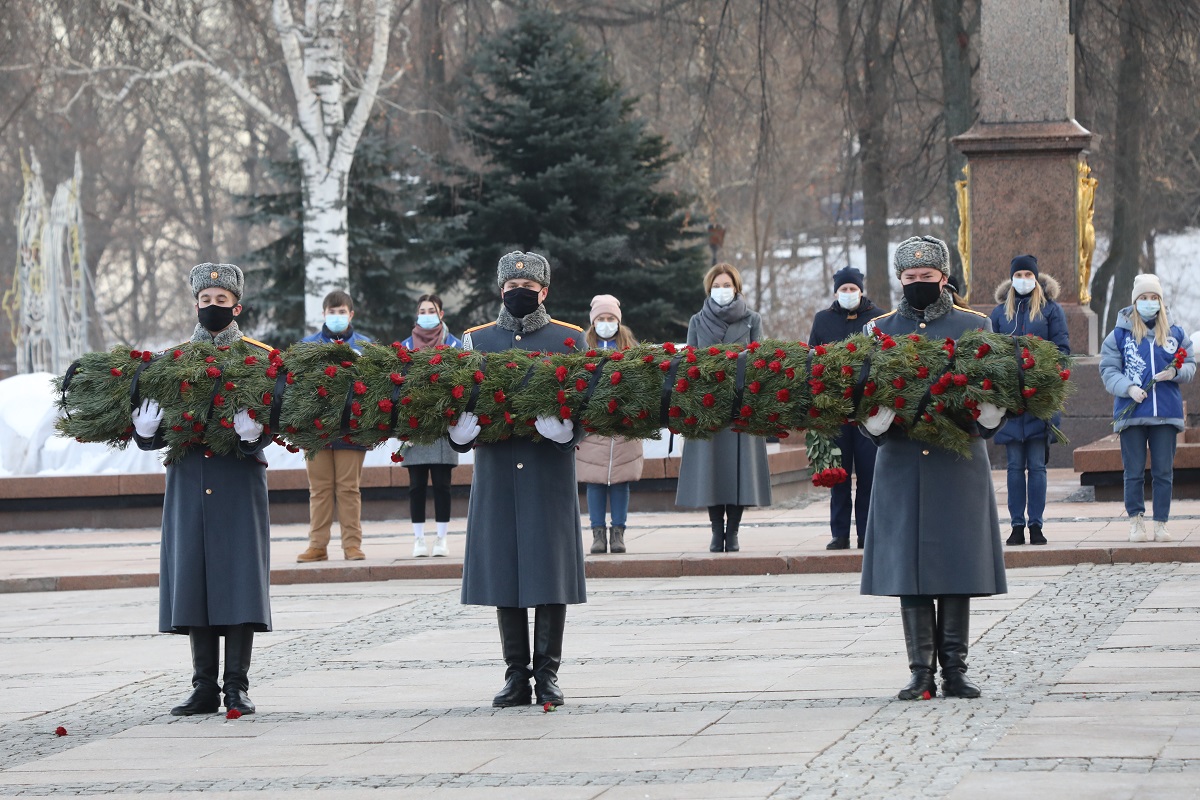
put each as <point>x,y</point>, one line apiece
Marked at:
<point>630,566</point>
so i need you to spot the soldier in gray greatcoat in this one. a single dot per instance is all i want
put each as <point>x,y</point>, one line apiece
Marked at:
<point>524,546</point>
<point>932,531</point>
<point>214,559</point>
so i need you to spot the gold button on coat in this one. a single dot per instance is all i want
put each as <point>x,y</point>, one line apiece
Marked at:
<point>517,337</point>
<point>520,465</point>
<point>922,324</point>
<point>924,452</point>
<point>208,491</point>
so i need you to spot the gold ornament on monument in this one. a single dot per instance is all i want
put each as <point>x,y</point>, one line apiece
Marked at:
<point>1085,209</point>
<point>964,228</point>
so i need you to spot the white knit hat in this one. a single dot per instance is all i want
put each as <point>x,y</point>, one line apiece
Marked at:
<point>1146,282</point>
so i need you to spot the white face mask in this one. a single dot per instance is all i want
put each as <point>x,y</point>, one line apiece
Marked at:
<point>722,295</point>
<point>849,300</point>
<point>1148,309</point>
<point>428,321</point>
<point>1023,285</point>
<point>607,330</point>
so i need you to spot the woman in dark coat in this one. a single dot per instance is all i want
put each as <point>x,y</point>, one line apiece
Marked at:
<point>1027,308</point>
<point>729,471</point>
<point>215,557</point>
<point>524,543</point>
<point>932,533</point>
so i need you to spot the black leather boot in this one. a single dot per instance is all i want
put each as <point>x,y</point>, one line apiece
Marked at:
<point>599,542</point>
<point>716,517</point>
<point>1017,536</point>
<point>733,515</point>
<point>239,642</point>
<point>206,659</point>
<point>548,624</point>
<point>616,539</point>
<point>1035,534</point>
<point>953,634</point>
<point>514,642</point>
<point>920,631</point>
<point>838,543</point>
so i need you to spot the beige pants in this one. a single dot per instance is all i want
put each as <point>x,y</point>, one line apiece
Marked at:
<point>335,473</point>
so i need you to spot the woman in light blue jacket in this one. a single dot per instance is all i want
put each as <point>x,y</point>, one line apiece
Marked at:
<point>1142,363</point>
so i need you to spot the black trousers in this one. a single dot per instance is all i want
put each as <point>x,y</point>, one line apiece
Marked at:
<point>418,475</point>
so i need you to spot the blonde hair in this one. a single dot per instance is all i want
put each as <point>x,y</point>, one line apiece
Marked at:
<point>723,269</point>
<point>1037,299</point>
<point>1161,326</point>
<point>625,338</point>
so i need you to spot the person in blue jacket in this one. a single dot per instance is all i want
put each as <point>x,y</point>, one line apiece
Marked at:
<point>1142,366</point>
<point>851,310</point>
<point>1027,307</point>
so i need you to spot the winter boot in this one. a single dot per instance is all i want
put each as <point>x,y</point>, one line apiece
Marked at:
<point>548,624</point>
<point>616,541</point>
<point>239,642</point>
<point>206,692</point>
<point>953,634</point>
<point>599,540</point>
<point>514,642</point>
<point>716,516</point>
<point>734,516</point>
<point>920,631</point>
<point>1035,534</point>
<point>1017,536</point>
<point>839,543</point>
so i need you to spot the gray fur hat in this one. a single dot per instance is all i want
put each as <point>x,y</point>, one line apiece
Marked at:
<point>522,265</point>
<point>220,276</point>
<point>922,251</point>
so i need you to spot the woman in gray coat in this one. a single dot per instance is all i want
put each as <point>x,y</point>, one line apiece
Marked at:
<point>932,532</point>
<point>729,471</point>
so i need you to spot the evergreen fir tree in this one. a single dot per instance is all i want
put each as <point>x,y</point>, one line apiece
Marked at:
<point>570,174</point>
<point>379,197</point>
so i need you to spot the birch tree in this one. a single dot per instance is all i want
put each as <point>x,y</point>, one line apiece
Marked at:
<point>318,128</point>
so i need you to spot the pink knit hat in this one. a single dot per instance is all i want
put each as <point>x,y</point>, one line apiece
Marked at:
<point>605,304</point>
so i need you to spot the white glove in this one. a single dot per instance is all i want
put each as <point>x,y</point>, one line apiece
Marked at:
<point>878,424</point>
<point>465,429</point>
<point>248,429</point>
<point>1167,374</point>
<point>990,416</point>
<point>146,419</point>
<point>555,429</point>
<point>1137,393</point>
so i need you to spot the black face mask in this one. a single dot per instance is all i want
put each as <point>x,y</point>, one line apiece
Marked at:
<point>521,302</point>
<point>922,294</point>
<point>215,319</point>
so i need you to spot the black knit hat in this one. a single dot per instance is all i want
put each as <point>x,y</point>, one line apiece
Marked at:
<point>1023,262</point>
<point>847,275</point>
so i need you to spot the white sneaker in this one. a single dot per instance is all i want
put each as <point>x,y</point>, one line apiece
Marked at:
<point>1137,528</point>
<point>440,548</point>
<point>1160,531</point>
<point>420,550</point>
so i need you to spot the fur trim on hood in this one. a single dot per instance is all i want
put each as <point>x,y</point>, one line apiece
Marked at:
<point>1050,288</point>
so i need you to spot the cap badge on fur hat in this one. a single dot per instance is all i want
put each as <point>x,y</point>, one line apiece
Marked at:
<point>520,265</point>
<point>214,274</point>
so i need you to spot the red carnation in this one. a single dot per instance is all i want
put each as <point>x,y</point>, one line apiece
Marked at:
<point>561,374</point>
<point>851,347</point>
<point>643,414</point>
<point>617,356</point>
<point>484,419</point>
<point>747,411</point>
<point>719,375</point>
<point>213,372</point>
<point>266,399</point>
<point>272,371</point>
<point>690,357</point>
<point>615,378</point>
<point>322,391</point>
<point>569,343</point>
<point>147,355</point>
<point>899,402</point>
<point>819,369</point>
<point>754,387</point>
<point>434,378</point>
<point>436,359</point>
<point>176,354</point>
<point>753,346</point>
<point>291,378</point>
<point>759,363</point>
<point>233,713</point>
<point>210,359</point>
<point>922,372</point>
<point>612,406</point>
<point>251,360</point>
<point>887,344</point>
<point>937,388</point>
<point>674,411</point>
<point>226,423</point>
<point>817,386</point>
<point>508,418</point>
<point>709,401</point>
<point>580,385</point>
<point>814,412</point>
<point>457,392</point>
<point>731,354</point>
<point>116,372</point>
<point>791,373</point>
<point>136,355</point>
<point>60,731</point>
<point>669,347</point>
<point>714,350</point>
<point>561,397</point>
<point>511,365</point>
<point>187,415</point>
<point>219,401</point>
<point>360,387</point>
<point>1029,392</point>
<point>987,383</point>
<point>869,389</point>
<point>397,458</point>
<point>229,387</point>
<point>478,376</point>
<point>385,405</point>
<point>819,350</point>
<point>693,372</point>
<point>646,359</point>
<point>960,380</point>
<point>1065,374</point>
<point>848,392</point>
<point>184,386</point>
<point>1028,363</point>
<point>331,370</point>
<point>498,396</point>
<point>681,385</point>
<point>564,412</point>
<point>983,350</point>
<point>914,337</point>
<point>783,395</point>
<point>318,425</point>
<point>355,408</point>
<point>590,367</point>
<point>899,383</point>
<point>413,422</point>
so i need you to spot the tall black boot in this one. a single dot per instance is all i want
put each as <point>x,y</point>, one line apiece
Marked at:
<point>919,637</point>
<point>953,634</point>
<point>548,624</point>
<point>239,642</point>
<point>716,516</point>
<point>733,515</point>
<point>514,642</point>
<point>206,659</point>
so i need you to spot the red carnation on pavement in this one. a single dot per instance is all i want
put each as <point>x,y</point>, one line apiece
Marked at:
<point>60,731</point>
<point>233,713</point>
<point>548,707</point>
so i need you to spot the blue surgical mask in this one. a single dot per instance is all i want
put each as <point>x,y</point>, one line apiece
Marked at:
<point>1148,309</point>
<point>849,300</point>
<point>1023,286</point>
<point>337,322</point>
<point>722,295</point>
<point>428,321</point>
<point>606,330</point>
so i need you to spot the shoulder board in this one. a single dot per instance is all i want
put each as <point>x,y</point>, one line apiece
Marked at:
<point>566,325</point>
<point>881,316</point>
<point>257,343</point>
<point>971,311</point>
<point>478,327</point>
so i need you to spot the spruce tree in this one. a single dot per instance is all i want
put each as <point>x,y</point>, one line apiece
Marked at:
<point>570,173</point>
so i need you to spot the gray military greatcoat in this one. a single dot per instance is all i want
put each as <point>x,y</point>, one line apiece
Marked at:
<point>932,528</point>
<point>524,546</point>
<point>730,468</point>
<point>215,556</point>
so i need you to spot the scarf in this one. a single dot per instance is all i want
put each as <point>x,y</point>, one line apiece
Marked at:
<point>935,310</point>
<point>428,337</point>
<point>713,320</point>
<point>535,320</point>
<point>223,339</point>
